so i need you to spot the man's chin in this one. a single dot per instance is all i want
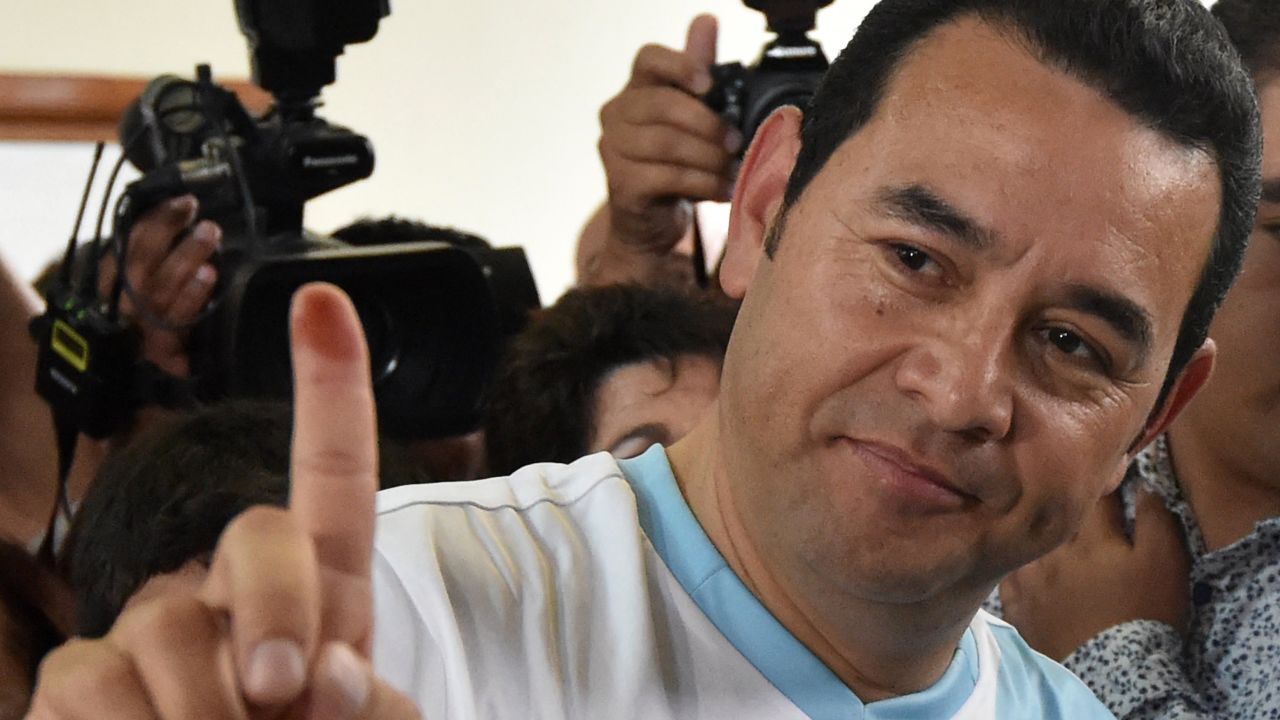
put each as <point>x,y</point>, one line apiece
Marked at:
<point>913,580</point>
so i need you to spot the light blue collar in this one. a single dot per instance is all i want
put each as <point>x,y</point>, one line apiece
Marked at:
<point>795,671</point>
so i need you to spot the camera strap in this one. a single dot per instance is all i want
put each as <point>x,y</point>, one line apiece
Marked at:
<point>67,432</point>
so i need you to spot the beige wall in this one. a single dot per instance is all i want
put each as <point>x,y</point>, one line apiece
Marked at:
<point>482,112</point>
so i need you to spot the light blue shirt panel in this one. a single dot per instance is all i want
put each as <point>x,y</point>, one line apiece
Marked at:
<point>796,672</point>
<point>1033,686</point>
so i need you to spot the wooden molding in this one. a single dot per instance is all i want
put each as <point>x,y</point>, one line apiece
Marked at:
<point>82,107</point>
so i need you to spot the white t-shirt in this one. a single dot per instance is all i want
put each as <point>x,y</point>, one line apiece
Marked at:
<point>590,591</point>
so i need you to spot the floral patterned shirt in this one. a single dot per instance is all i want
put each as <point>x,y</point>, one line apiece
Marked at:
<point>1228,668</point>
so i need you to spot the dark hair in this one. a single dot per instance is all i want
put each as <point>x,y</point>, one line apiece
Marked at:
<point>392,229</point>
<point>1254,29</point>
<point>542,399</point>
<point>1167,62</point>
<point>165,499</point>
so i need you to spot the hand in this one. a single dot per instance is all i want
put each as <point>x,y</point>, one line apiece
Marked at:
<point>168,267</point>
<point>661,145</point>
<point>1099,579</point>
<point>281,625</point>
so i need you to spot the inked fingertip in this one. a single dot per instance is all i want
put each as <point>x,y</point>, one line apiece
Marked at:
<point>324,319</point>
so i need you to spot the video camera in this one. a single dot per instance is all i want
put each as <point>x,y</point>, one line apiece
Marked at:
<point>435,316</point>
<point>787,72</point>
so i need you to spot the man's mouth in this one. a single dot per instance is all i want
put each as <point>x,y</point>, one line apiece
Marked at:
<point>915,483</point>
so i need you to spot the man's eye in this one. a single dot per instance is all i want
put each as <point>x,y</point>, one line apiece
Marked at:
<point>1074,346</point>
<point>912,258</point>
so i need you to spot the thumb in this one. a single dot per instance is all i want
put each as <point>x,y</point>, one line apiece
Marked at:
<point>700,45</point>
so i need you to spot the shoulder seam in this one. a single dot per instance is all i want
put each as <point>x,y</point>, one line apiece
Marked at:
<point>516,508</point>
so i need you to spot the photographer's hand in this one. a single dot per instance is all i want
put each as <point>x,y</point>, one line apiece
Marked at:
<point>282,624</point>
<point>168,268</point>
<point>661,147</point>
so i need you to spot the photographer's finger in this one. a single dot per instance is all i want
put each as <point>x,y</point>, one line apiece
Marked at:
<point>265,576</point>
<point>658,65</point>
<point>193,297</point>
<point>153,235</point>
<point>334,466</point>
<point>344,687</point>
<point>106,275</point>
<point>649,182</point>
<point>182,266</point>
<point>700,42</point>
<point>89,680</point>
<point>182,658</point>
<point>667,106</point>
<point>668,146</point>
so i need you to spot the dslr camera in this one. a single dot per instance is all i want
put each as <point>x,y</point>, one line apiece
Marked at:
<point>787,72</point>
<point>435,316</point>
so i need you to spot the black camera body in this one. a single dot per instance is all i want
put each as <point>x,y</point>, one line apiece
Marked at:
<point>787,72</point>
<point>435,316</point>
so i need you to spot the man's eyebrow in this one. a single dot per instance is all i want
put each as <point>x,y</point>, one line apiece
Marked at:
<point>1271,190</point>
<point>921,206</point>
<point>1126,316</point>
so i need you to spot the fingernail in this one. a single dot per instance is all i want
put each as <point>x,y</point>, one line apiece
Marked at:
<point>345,673</point>
<point>205,274</point>
<point>276,672</point>
<point>182,204</point>
<point>206,232</point>
<point>733,141</point>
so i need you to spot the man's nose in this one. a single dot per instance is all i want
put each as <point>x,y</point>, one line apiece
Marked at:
<point>964,381</point>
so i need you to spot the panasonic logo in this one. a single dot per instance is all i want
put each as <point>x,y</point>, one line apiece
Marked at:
<point>327,162</point>
<point>793,52</point>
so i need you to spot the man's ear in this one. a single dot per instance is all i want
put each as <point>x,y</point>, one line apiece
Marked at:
<point>1190,380</point>
<point>757,196</point>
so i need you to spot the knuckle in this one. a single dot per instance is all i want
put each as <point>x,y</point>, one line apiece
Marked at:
<point>256,521</point>
<point>608,112</point>
<point>647,57</point>
<point>172,615</point>
<point>691,178</point>
<point>78,670</point>
<point>330,462</point>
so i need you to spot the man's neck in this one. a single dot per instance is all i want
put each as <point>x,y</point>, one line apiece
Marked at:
<point>1228,504</point>
<point>878,650</point>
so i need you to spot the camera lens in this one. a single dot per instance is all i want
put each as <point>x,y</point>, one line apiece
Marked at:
<point>382,335</point>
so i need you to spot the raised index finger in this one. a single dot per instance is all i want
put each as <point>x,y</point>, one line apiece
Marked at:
<point>334,465</point>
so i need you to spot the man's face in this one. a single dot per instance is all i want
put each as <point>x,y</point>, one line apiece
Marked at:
<point>964,328</point>
<point>1237,415</point>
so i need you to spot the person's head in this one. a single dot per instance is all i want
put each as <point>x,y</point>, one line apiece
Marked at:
<point>452,457</point>
<point>615,368</point>
<point>1235,421</point>
<point>164,500</point>
<point>391,229</point>
<point>976,279</point>
<point>158,506</point>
